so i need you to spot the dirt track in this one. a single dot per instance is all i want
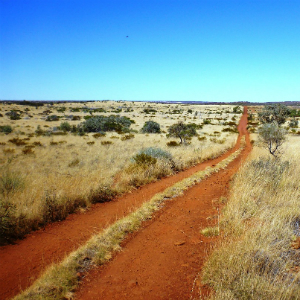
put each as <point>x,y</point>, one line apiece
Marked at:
<point>151,265</point>
<point>163,259</point>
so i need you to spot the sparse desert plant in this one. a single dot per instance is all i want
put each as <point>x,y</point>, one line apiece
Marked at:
<point>106,142</point>
<point>27,150</point>
<point>272,136</point>
<point>237,110</point>
<point>10,182</point>
<point>274,113</point>
<point>293,123</point>
<point>182,131</point>
<point>14,115</point>
<point>144,159</point>
<point>103,124</point>
<point>127,137</point>
<point>156,153</point>
<point>7,129</point>
<point>74,163</point>
<point>65,126</point>
<point>172,144</point>
<point>99,134</point>
<point>102,193</point>
<point>17,141</point>
<point>151,127</point>
<point>91,143</point>
<point>52,118</point>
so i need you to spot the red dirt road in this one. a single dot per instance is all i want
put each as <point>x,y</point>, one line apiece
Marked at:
<point>163,259</point>
<point>24,261</point>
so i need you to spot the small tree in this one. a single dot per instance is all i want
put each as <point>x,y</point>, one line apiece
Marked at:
<point>272,137</point>
<point>151,127</point>
<point>182,131</point>
<point>274,112</point>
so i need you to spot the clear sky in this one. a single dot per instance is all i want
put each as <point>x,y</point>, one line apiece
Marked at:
<point>206,50</point>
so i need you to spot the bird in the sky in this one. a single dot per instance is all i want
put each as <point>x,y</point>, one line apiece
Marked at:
<point>127,36</point>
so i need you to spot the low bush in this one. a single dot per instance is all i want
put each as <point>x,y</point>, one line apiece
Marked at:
<point>151,127</point>
<point>17,141</point>
<point>52,118</point>
<point>173,144</point>
<point>10,182</point>
<point>144,159</point>
<point>14,115</point>
<point>106,143</point>
<point>103,124</point>
<point>127,137</point>
<point>7,129</point>
<point>27,150</point>
<point>102,194</point>
<point>65,126</point>
<point>156,153</point>
<point>99,134</point>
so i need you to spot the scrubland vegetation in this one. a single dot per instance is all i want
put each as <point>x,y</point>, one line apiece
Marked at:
<point>60,157</point>
<point>259,253</point>
<point>61,280</point>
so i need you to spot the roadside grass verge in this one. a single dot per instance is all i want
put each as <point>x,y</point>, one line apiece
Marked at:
<point>60,280</point>
<point>259,254</point>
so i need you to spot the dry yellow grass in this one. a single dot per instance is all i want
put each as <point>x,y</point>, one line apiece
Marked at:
<point>259,254</point>
<point>66,168</point>
<point>60,280</point>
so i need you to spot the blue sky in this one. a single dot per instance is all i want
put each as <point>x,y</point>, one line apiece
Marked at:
<point>200,50</point>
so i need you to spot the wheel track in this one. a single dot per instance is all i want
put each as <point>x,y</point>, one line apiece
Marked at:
<point>22,263</point>
<point>164,258</point>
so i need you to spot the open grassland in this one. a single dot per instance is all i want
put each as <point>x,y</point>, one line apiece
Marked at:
<point>60,280</point>
<point>259,256</point>
<point>47,173</point>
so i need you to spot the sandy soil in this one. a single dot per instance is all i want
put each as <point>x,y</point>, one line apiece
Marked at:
<point>161,261</point>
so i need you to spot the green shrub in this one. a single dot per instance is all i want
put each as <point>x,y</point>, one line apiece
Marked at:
<point>52,118</point>
<point>272,136</point>
<point>14,115</point>
<point>206,121</point>
<point>103,124</point>
<point>182,131</point>
<point>65,126</point>
<point>156,153</point>
<point>39,131</point>
<point>7,129</point>
<point>151,127</point>
<point>293,123</point>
